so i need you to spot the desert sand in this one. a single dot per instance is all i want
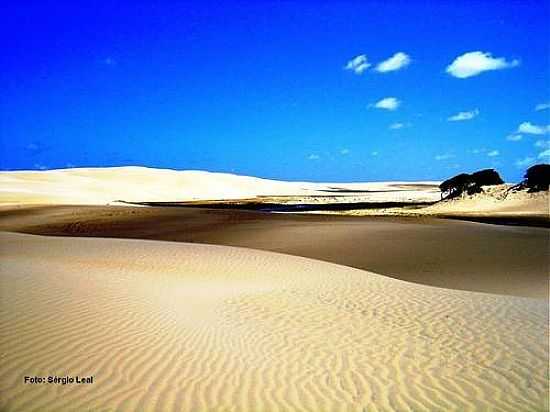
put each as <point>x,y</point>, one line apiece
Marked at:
<point>100,186</point>
<point>445,253</point>
<point>201,309</point>
<point>178,326</point>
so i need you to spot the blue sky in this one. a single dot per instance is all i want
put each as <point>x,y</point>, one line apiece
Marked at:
<point>297,90</point>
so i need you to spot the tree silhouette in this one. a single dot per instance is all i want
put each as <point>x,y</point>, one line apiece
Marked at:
<point>537,177</point>
<point>469,183</point>
<point>456,185</point>
<point>487,177</point>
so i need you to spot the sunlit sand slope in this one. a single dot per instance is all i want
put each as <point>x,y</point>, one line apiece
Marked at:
<point>164,326</point>
<point>97,186</point>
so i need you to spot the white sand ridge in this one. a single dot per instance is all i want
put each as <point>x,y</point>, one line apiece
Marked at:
<point>99,186</point>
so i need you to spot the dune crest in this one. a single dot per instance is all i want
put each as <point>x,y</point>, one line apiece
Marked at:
<point>100,186</point>
<point>164,326</point>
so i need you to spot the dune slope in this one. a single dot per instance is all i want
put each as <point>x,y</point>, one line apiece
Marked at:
<point>165,326</point>
<point>102,185</point>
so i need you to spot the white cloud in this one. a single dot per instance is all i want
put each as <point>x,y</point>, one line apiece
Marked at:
<point>463,116</point>
<point>387,103</point>
<point>398,125</point>
<point>396,62</point>
<point>40,166</point>
<point>358,64</point>
<point>542,106</point>
<point>444,156</point>
<point>529,128</point>
<point>375,153</point>
<point>526,161</point>
<point>344,151</point>
<point>514,137</point>
<point>543,144</point>
<point>313,157</point>
<point>473,63</point>
<point>493,153</point>
<point>545,154</point>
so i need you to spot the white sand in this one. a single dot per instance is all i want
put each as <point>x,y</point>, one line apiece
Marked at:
<point>164,326</point>
<point>99,186</point>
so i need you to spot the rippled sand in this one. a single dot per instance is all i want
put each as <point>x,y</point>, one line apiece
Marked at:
<point>177,326</point>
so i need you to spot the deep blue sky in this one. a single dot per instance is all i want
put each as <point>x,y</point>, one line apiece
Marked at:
<point>260,88</point>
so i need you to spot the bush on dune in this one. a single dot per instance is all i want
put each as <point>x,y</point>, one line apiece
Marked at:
<point>537,177</point>
<point>469,183</point>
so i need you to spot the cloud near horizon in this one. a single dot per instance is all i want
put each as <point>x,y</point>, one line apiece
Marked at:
<point>526,161</point>
<point>544,144</point>
<point>444,156</point>
<point>387,103</point>
<point>542,106</point>
<point>474,63</point>
<point>461,116</point>
<point>358,64</point>
<point>396,62</point>
<point>530,128</point>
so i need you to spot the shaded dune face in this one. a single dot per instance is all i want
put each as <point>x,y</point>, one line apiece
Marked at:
<point>165,326</point>
<point>450,254</point>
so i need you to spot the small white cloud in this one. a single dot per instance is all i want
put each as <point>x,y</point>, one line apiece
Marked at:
<point>543,144</point>
<point>545,154</point>
<point>40,166</point>
<point>358,64</point>
<point>526,161</point>
<point>387,103</point>
<point>514,137</point>
<point>463,116</point>
<point>476,62</point>
<point>396,62</point>
<point>529,128</point>
<point>398,125</point>
<point>313,157</point>
<point>444,156</point>
<point>493,153</point>
<point>344,151</point>
<point>375,153</point>
<point>542,106</point>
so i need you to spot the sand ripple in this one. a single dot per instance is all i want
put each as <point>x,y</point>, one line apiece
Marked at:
<point>164,326</point>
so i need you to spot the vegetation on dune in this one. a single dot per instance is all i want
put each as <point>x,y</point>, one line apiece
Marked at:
<point>469,183</point>
<point>536,178</point>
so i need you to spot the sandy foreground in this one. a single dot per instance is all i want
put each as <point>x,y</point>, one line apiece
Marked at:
<point>178,326</point>
<point>189,309</point>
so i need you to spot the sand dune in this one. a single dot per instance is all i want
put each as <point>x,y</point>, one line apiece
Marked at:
<point>165,326</point>
<point>452,254</point>
<point>182,326</point>
<point>99,186</point>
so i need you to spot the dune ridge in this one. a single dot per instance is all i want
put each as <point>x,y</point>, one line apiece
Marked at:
<point>103,185</point>
<point>166,326</point>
